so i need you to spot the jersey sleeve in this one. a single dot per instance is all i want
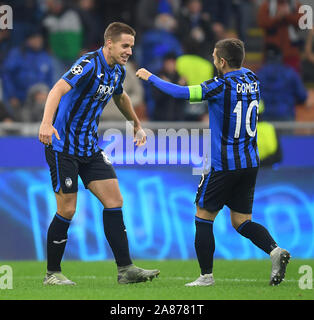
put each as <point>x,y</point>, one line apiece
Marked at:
<point>173,90</point>
<point>80,72</point>
<point>207,90</point>
<point>119,89</point>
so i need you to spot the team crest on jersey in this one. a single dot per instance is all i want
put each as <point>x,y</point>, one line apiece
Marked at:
<point>68,182</point>
<point>116,78</point>
<point>103,91</point>
<point>77,69</point>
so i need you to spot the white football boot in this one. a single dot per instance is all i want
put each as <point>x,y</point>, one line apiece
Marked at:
<point>279,258</point>
<point>57,278</point>
<point>203,281</point>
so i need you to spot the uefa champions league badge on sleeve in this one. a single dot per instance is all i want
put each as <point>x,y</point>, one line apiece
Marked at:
<point>77,69</point>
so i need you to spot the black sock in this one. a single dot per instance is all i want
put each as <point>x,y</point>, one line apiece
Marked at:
<point>204,244</point>
<point>56,240</point>
<point>258,235</point>
<point>116,235</point>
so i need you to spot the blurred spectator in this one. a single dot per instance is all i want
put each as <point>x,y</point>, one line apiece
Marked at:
<point>188,63</point>
<point>308,63</point>
<point>133,86</point>
<point>4,114</point>
<point>230,14</point>
<point>279,20</point>
<point>168,108</point>
<point>25,66</point>
<point>159,41</point>
<point>281,87</point>
<point>155,44</point>
<point>268,141</point>
<point>243,15</point>
<point>64,30</point>
<point>220,12</point>
<point>33,109</point>
<point>26,14</point>
<point>117,10</point>
<point>5,44</point>
<point>186,66</point>
<point>92,25</point>
<point>147,11</point>
<point>195,29</point>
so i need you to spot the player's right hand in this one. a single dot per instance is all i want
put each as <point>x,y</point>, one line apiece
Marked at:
<point>46,131</point>
<point>143,74</point>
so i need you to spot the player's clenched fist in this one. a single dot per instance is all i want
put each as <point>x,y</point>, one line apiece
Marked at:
<point>143,74</point>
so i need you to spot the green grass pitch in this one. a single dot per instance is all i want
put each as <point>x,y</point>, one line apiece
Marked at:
<point>235,279</point>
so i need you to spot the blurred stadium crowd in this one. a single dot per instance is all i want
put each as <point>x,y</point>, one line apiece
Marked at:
<point>175,39</point>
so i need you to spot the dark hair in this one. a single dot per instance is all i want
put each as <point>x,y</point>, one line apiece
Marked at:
<point>170,56</point>
<point>115,29</point>
<point>232,50</point>
<point>273,53</point>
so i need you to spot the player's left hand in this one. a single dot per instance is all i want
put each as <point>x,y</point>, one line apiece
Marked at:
<point>143,74</point>
<point>139,137</point>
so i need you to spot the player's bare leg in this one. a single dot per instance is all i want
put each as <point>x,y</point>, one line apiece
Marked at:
<point>238,218</point>
<point>108,193</point>
<point>260,236</point>
<point>205,214</point>
<point>66,204</point>
<point>57,238</point>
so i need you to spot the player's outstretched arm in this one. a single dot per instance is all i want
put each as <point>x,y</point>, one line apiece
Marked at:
<point>124,104</point>
<point>46,129</point>
<point>174,90</point>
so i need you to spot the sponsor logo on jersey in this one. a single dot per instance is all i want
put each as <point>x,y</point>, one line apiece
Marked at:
<point>103,91</point>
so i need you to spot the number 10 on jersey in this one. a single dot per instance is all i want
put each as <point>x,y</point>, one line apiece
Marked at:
<point>248,118</point>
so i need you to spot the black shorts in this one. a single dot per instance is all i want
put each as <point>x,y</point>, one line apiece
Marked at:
<point>65,169</point>
<point>232,188</point>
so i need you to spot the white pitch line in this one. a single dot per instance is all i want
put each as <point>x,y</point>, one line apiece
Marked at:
<point>159,278</point>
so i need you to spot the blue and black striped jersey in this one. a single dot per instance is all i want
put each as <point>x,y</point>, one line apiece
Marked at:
<point>93,83</point>
<point>233,107</point>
